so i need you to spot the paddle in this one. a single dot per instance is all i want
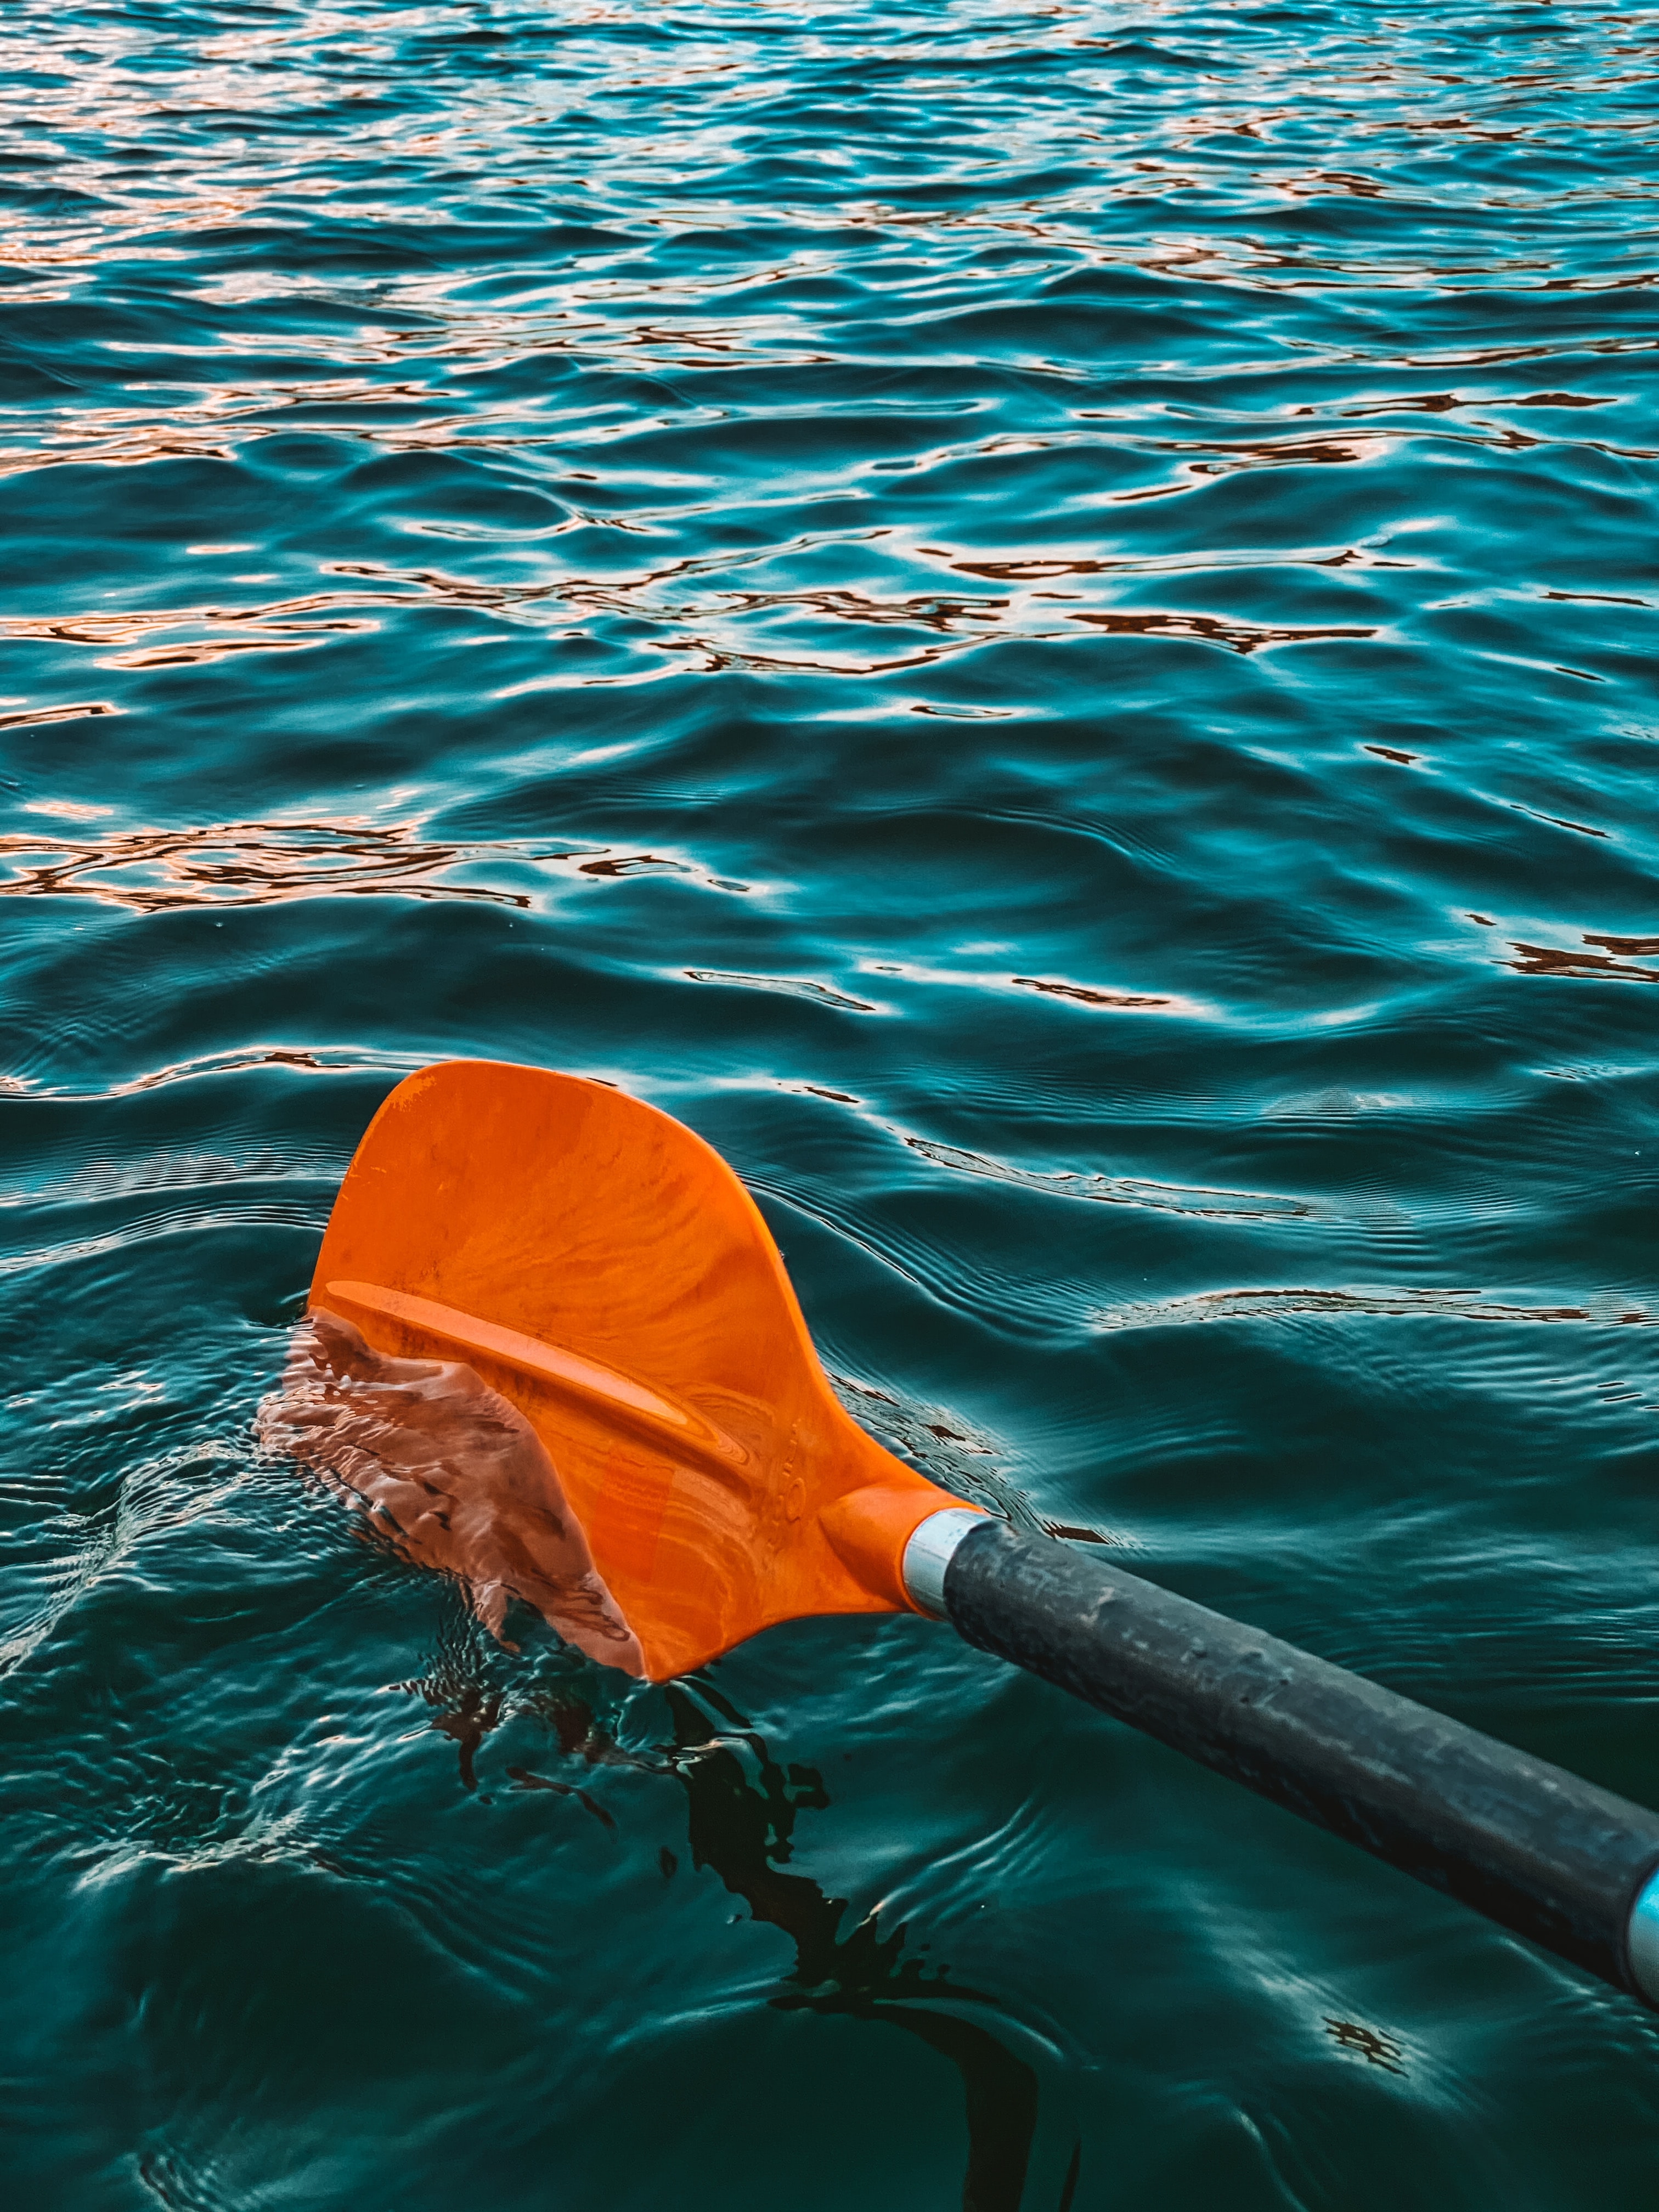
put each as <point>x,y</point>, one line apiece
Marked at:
<point>552,1346</point>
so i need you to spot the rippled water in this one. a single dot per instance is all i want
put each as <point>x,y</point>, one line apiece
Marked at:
<point>1039,619</point>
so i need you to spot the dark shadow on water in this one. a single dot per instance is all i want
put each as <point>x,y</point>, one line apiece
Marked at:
<point>744,1829</point>
<point>741,1816</point>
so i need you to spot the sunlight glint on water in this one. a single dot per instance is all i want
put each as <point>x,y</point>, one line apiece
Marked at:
<point>1042,623</point>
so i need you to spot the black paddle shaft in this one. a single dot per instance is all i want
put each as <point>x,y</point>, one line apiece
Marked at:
<point>1532,1847</point>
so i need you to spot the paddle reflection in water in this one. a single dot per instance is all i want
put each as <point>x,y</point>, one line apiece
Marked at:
<point>743,1829</point>
<point>741,1817</point>
<point>452,1476</point>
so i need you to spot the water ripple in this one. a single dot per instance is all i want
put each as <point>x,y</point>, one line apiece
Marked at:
<point>995,606</point>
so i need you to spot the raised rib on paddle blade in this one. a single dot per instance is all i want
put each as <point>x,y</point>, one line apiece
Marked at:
<point>603,1270</point>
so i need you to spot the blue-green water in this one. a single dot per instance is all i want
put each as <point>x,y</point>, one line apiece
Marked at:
<point>1039,619</point>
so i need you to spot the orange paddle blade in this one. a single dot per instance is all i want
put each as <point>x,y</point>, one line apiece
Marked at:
<point>603,1269</point>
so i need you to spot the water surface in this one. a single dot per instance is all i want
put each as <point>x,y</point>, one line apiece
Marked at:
<point>1039,619</point>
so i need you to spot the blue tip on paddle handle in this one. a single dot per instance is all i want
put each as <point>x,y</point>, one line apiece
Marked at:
<point>1567,1865</point>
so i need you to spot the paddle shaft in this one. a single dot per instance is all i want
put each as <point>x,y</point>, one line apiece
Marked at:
<point>1567,1865</point>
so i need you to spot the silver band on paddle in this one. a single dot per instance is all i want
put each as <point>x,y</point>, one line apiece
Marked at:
<point>928,1553</point>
